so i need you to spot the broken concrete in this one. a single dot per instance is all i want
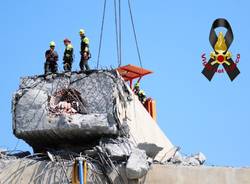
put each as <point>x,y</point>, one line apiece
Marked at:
<point>192,160</point>
<point>36,117</point>
<point>72,111</point>
<point>137,165</point>
<point>96,117</point>
<point>151,149</point>
<point>119,148</point>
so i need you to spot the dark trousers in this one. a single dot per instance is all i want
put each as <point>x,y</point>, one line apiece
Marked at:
<point>50,67</point>
<point>84,64</point>
<point>67,65</point>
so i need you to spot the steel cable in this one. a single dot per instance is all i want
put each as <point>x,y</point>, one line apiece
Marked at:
<point>135,37</point>
<point>101,34</point>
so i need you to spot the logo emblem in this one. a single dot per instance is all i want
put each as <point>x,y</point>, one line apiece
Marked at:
<point>221,55</point>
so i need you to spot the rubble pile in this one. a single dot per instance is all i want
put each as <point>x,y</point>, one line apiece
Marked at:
<point>81,115</point>
<point>93,116</point>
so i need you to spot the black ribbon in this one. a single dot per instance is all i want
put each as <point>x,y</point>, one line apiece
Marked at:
<point>209,69</point>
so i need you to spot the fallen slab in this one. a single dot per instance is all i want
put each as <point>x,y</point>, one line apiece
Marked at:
<point>70,112</point>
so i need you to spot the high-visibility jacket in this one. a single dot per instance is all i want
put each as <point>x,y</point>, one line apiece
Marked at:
<point>141,95</point>
<point>84,44</point>
<point>68,53</point>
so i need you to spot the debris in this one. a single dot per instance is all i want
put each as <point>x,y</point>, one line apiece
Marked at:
<point>192,160</point>
<point>177,158</point>
<point>151,149</point>
<point>89,115</point>
<point>200,157</point>
<point>137,165</point>
<point>74,112</point>
<point>67,101</point>
<point>118,148</point>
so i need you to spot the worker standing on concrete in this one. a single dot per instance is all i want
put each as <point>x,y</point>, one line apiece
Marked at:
<point>140,93</point>
<point>68,55</point>
<point>51,57</point>
<point>85,53</point>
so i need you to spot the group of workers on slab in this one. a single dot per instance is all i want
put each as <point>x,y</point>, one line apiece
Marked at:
<point>51,55</point>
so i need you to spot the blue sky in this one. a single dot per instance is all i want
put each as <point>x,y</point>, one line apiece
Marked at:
<point>198,115</point>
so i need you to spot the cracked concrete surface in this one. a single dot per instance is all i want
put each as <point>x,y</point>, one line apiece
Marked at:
<point>110,109</point>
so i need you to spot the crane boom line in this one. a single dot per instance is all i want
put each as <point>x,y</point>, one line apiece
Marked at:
<point>135,37</point>
<point>116,33</point>
<point>101,33</point>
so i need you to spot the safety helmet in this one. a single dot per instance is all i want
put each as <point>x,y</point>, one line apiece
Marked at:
<point>82,31</point>
<point>52,44</point>
<point>141,92</point>
<point>137,85</point>
<point>66,40</point>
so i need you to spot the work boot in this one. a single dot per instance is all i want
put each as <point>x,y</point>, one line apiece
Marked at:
<point>67,66</point>
<point>84,65</point>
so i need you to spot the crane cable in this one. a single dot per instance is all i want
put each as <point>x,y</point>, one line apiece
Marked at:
<point>135,37</point>
<point>118,31</point>
<point>101,33</point>
<point>116,34</point>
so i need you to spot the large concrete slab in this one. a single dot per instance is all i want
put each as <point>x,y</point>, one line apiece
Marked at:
<point>107,108</point>
<point>168,174</point>
<point>39,119</point>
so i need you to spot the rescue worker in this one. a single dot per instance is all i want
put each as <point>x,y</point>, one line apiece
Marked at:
<point>140,93</point>
<point>68,55</point>
<point>85,53</point>
<point>51,57</point>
